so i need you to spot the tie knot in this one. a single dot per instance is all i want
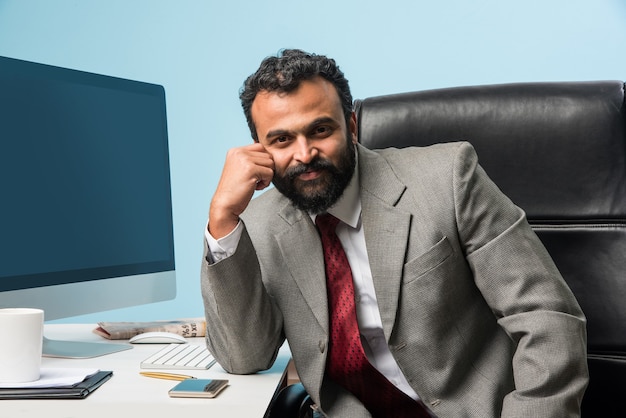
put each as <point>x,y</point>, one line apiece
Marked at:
<point>326,222</point>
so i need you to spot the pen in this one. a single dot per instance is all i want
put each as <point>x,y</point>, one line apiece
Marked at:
<point>169,376</point>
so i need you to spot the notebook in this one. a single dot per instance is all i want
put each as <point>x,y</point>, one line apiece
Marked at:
<point>77,391</point>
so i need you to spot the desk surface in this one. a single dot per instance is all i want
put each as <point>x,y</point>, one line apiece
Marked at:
<point>128,394</point>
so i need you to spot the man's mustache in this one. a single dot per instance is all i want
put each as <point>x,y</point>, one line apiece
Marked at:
<point>317,164</point>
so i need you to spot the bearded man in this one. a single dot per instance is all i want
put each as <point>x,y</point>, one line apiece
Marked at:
<point>405,282</point>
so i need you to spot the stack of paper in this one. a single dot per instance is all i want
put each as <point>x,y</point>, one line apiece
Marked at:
<point>61,383</point>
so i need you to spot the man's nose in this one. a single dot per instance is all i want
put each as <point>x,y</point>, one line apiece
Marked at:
<point>305,150</point>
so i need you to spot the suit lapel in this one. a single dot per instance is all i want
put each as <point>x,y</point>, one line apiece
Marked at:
<point>302,252</point>
<point>386,230</point>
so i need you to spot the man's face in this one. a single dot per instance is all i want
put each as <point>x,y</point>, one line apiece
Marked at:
<point>313,150</point>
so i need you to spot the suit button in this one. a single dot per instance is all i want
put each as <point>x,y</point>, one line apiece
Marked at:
<point>322,346</point>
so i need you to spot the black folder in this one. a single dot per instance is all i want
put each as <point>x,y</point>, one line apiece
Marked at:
<point>77,391</point>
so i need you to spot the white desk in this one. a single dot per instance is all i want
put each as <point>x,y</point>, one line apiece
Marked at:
<point>128,394</point>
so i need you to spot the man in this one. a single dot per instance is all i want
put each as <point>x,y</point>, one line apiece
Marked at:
<point>460,310</point>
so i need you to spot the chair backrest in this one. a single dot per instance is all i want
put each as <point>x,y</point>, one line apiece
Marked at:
<point>558,150</point>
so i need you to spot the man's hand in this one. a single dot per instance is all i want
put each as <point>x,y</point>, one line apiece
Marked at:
<point>246,169</point>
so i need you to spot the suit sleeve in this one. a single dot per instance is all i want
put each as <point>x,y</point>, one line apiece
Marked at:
<point>527,294</point>
<point>244,325</point>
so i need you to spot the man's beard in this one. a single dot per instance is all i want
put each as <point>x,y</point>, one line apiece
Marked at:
<point>317,195</point>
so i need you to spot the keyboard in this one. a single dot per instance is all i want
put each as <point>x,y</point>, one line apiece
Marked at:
<point>180,356</point>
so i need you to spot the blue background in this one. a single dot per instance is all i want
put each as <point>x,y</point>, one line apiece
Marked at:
<point>201,51</point>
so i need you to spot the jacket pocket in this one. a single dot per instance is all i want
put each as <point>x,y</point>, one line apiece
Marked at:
<point>430,260</point>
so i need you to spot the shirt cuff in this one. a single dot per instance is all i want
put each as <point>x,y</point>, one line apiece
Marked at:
<point>224,247</point>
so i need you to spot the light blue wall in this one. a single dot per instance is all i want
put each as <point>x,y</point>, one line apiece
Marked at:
<point>201,51</point>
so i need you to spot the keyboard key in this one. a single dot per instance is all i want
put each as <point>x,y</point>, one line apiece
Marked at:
<point>180,356</point>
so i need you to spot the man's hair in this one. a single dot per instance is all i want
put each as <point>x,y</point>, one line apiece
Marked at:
<point>283,74</point>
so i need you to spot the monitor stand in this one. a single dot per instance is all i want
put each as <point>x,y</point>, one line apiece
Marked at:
<point>80,349</point>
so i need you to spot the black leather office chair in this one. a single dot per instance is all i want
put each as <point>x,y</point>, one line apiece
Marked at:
<point>292,401</point>
<point>558,150</point>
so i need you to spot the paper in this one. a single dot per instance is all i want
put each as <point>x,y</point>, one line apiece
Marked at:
<point>54,377</point>
<point>192,327</point>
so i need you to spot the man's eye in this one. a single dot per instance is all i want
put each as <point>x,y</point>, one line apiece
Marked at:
<point>322,130</point>
<point>281,139</point>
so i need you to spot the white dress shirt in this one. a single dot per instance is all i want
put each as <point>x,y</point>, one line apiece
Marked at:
<point>350,233</point>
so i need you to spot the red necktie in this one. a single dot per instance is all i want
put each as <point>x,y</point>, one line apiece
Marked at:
<point>347,364</point>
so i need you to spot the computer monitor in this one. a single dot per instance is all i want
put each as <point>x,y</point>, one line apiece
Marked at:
<point>85,196</point>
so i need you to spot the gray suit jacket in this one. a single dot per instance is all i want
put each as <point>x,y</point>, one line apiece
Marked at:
<point>475,312</point>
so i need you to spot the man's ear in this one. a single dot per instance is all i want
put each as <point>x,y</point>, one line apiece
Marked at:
<point>353,128</point>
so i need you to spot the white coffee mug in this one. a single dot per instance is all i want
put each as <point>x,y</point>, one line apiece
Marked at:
<point>21,336</point>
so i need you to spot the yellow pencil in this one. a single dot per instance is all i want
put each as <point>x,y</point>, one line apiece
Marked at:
<point>168,376</point>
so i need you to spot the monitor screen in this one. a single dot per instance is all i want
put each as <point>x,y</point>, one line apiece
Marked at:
<point>85,212</point>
